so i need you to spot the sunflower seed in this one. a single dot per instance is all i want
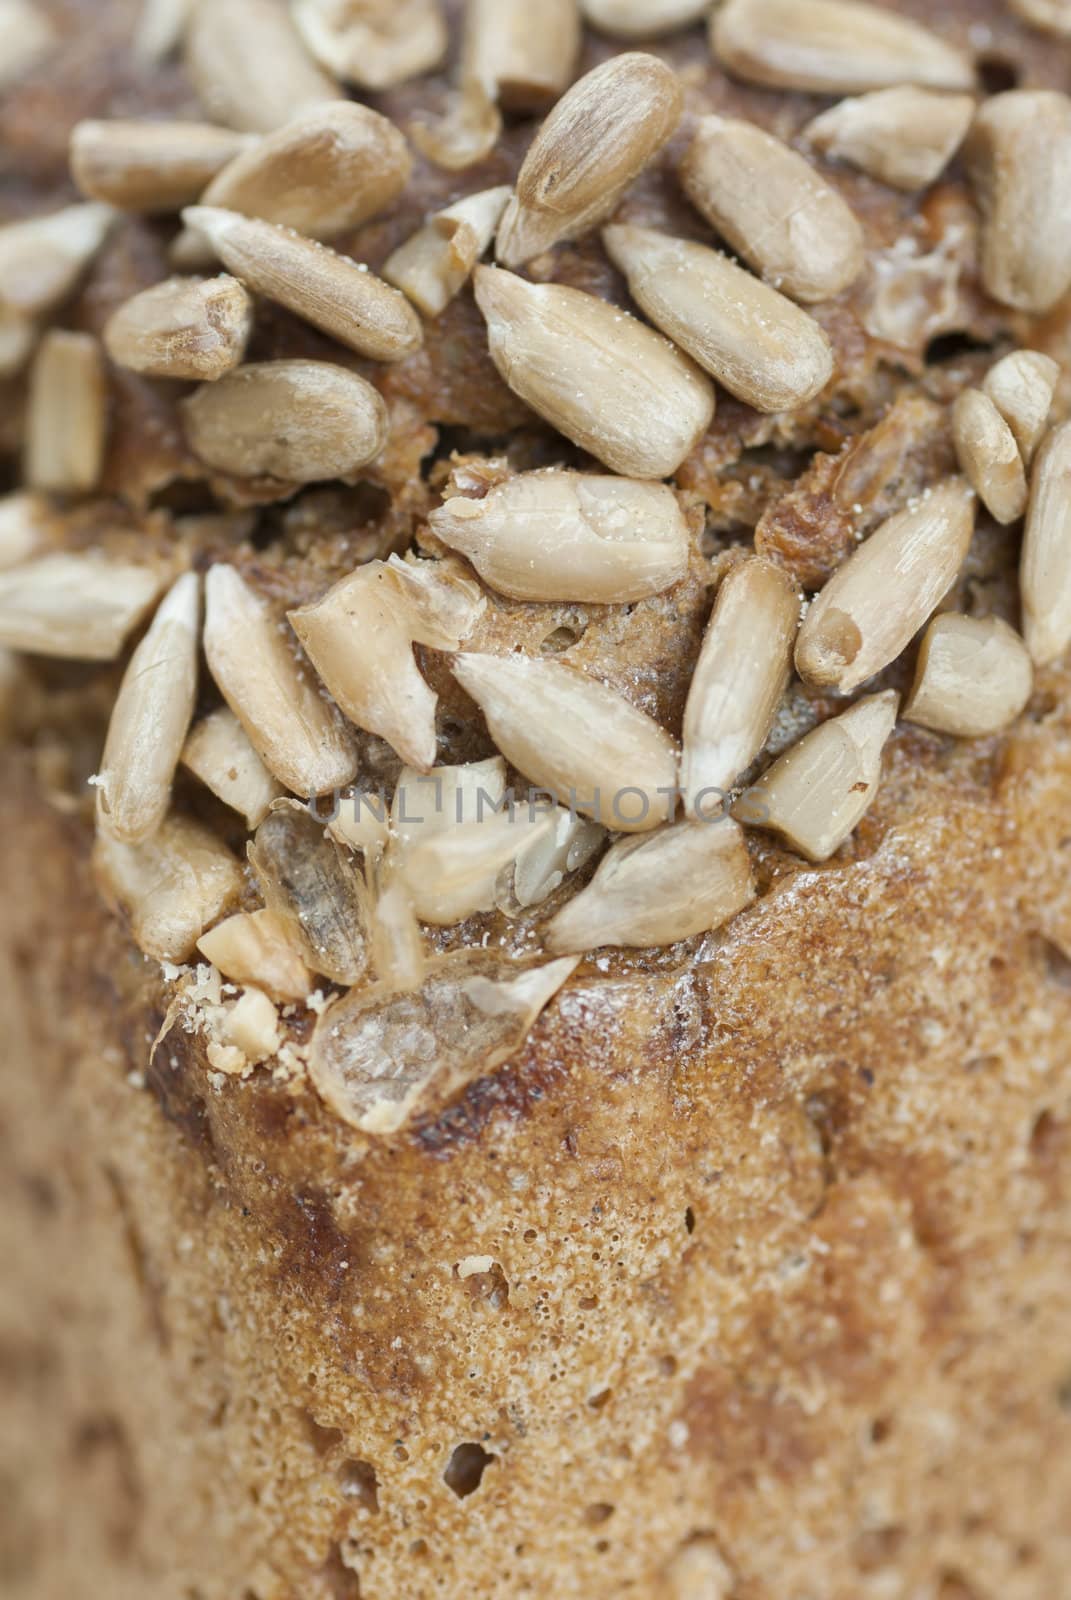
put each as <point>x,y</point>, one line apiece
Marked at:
<point>150,166</point>
<point>773,208</point>
<point>1018,155</point>
<point>989,456</point>
<point>326,172</point>
<point>642,19</point>
<point>905,136</point>
<point>360,638</point>
<point>376,44</point>
<point>309,884</point>
<point>42,259</point>
<point>398,954</point>
<point>435,262</point>
<point>872,607</point>
<point>757,343</point>
<point>172,887</point>
<point>545,863</point>
<point>443,603</point>
<point>297,421</point>
<point>442,799</point>
<point>454,874</point>
<point>67,415</point>
<point>598,138</point>
<point>378,1057</point>
<point>554,535</point>
<point>254,947</point>
<point>1050,16</point>
<point>583,742</point>
<point>832,47</point>
<point>683,880</point>
<point>1045,577</point>
<point>218,752</point>
<point>974,677</point>
<point>742,673</point>
<point>249,67</point>
<point>333,293</point>
<point>524,68</point>
<point>290,724</point>
<point>18,337</point>
<point>464,134</point>
<point>26,38</point>
<point>817,794</point>
<point>151,718</point>
<point>25,525</point>
<point>611,385</point>
<point>1021,386</point>
<point>161,28</point>
<point>184,328</point>
<point>79,607</point>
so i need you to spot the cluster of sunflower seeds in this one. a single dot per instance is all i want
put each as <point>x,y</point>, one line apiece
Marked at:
<point>283,168</point>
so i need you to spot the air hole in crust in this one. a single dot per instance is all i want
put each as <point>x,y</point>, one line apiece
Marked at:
<point>358,1482</point>
<point>563,638</point>
<point>998,74</point>
<point>689,1220</point>
<point>595,1515</point>
<point>599,1400</point>
<point>465,1469</point>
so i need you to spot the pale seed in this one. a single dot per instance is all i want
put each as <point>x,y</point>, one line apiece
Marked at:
<point>219,752</point>
<point>438,260</point>
<point>172,887</point>
<point>67,415</point>
<point>453,875</point>
<point>681,881</point>
<point>297,421</point>
<point>150,166</point>
<point>76,606</point>
<point>26,38</point>
<point>250,1026</point>
<point>254,947</point>
<point>1018,154</point>
<point>1045,576</point>
<point>375,44</point>
<point>1050,16</point>
<point>18,338</point>
<point>546,861</point>
<point>974,677</point>
<point>873,606</point>
<point>188,328</point>
<point>464,134</point>
<point>904,136</point>
<point>161,28</point>
<point>311,886</point>
<point>611,385</point>
<point>25,526</point>
<point>42,259</point>
<point>642,19</point>
<point>522,63</point>
<point>249,67</point>
<point>989,456</point>
<point>598,138</point>
<point>553,535</point>
<point>832,47</point>
<point>150,719</point>
<point>333,293</point>
<point>773,208</point>
<point>757,343</point>
<point>581,741</point>
<point>398,953</point>
<point>325,172</point>
<point>1021,386</point>
<point>742,673</point>
<point>290,723</point>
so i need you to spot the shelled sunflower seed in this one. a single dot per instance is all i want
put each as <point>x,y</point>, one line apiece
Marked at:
<point>297,421</point>
<point>377,44</point>
<point>974,677</point>
<point>1045,575</point>
<point>291,726</point>
<point>67,414</point>
<point>219,753</point>
<point>172,886</point>
<point>189,328</point>
<point>596,141</point>
<point>556,535</point>
<point>524,68</point>
<point>75,606</point>
<point>989,455</point>
<point>434,263</point>
<point>254,947</point>
<point>249,67</point>
<point>429,803</point>
<point>548,860</point>
<point>399,955</point>
<point>454,874</point>
<point>150,719</point>
<point>775,210</point>
<point>683,880</point>
<point>464,134</point>
<point>832,47</point>
<point>904,136</point>
<point>1021,386</point>
<point>339,296</point>
<point>611,385</point>
<point>642,19</point>
<point>816,795</point>
<point>1050,16</point>
<point>27,36</point>
<point>1018,155</point>
<point>742,673</point>
<point>582,742</point>
<point>754,340</point>
<point>150,166</point>
<point>310,885</point>
<point>160,29</point>
<point>42,258</point>
<point>875,603</point>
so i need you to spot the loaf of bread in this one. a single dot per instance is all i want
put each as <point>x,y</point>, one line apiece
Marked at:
<point>535,605</point>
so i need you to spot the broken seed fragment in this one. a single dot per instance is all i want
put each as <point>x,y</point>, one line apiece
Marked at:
<point>974,677</point>
<point>77,606</point>
<point>989,455</point>
<point>255,948</point>
<point>173,886</point>
<point>184,328</point>
<point>434,264</point>
<point>219,752</point>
